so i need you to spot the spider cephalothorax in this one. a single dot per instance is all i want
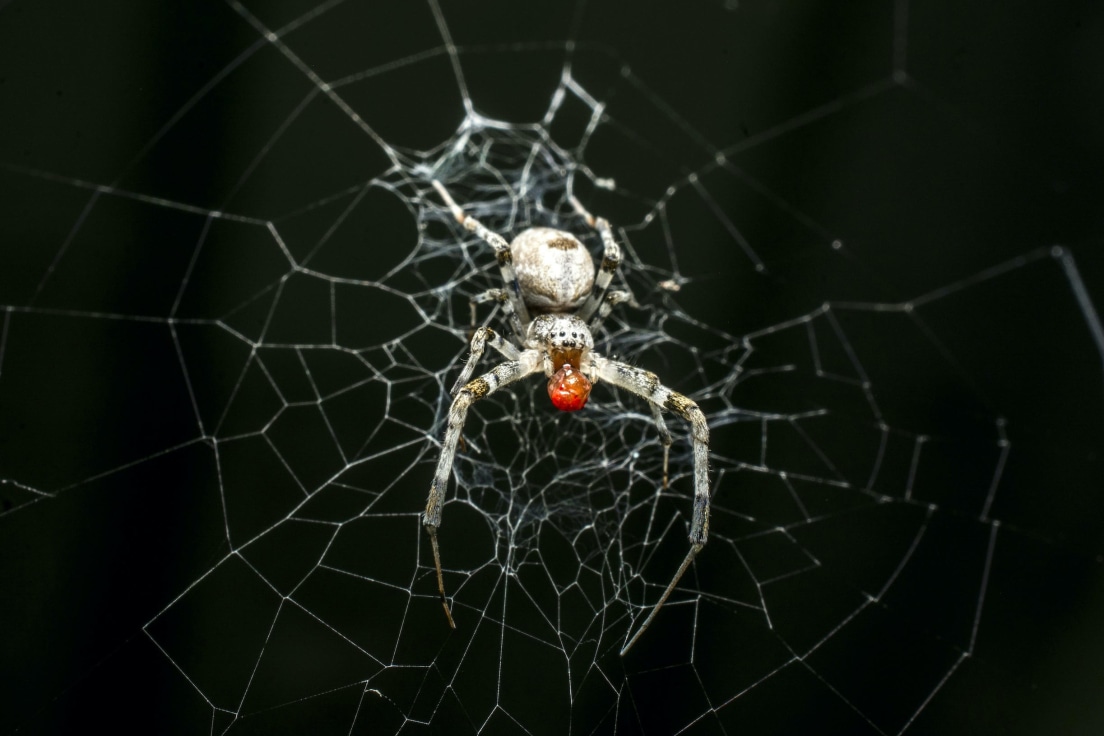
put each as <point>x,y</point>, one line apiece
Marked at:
<point>566,342</point>
<point>554,300</point>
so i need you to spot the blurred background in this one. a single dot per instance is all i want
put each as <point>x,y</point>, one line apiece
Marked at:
<point>230,308</point>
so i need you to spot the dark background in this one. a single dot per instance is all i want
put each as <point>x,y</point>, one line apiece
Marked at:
<point>949,146</point>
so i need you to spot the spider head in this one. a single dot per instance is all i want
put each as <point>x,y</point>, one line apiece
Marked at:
<point>565,340</point>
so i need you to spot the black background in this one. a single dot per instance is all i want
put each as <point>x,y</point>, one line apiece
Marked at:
<point>936,140</point>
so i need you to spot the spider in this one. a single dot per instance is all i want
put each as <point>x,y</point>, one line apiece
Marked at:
<point>553,303</point>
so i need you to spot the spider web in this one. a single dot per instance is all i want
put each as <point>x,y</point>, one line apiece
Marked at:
<point>864,239</point>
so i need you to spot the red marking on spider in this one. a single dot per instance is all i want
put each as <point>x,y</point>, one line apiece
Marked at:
<point>568,389</point>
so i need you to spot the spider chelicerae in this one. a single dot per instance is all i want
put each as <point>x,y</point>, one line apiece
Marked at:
<point>553,302</point>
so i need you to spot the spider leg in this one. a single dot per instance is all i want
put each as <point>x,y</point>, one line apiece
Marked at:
<point>694,549</point>
<point>502,297</point>
<point>490,295</point>
<point>664,437</point>
<point>613,298</point>
<point>611,261</point>
<point>483,336</point>
<point>646,385</point>
<point>528,362</point>
<point>502,254</point>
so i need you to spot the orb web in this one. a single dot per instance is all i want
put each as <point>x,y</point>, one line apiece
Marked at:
<point>230,330</point>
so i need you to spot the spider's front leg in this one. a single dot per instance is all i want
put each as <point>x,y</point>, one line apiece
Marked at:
<point>481,337</point>
<point>527,362</point>
<point>646,385</point>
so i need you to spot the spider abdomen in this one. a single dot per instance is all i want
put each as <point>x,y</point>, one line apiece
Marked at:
<point>554,270</point>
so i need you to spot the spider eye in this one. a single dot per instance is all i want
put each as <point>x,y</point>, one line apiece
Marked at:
<point>568,389</point>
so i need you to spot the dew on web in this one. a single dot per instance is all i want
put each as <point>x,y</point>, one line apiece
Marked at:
<point>233,305</point>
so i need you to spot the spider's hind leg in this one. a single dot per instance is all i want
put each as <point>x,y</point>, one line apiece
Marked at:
<point>503,254</point>
<point>611,261</point>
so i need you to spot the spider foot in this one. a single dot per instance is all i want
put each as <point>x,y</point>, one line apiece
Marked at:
<point>663,598</point>
<point>440,577</point>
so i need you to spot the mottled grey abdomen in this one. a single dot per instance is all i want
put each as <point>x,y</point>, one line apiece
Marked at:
<point>554,270</point>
